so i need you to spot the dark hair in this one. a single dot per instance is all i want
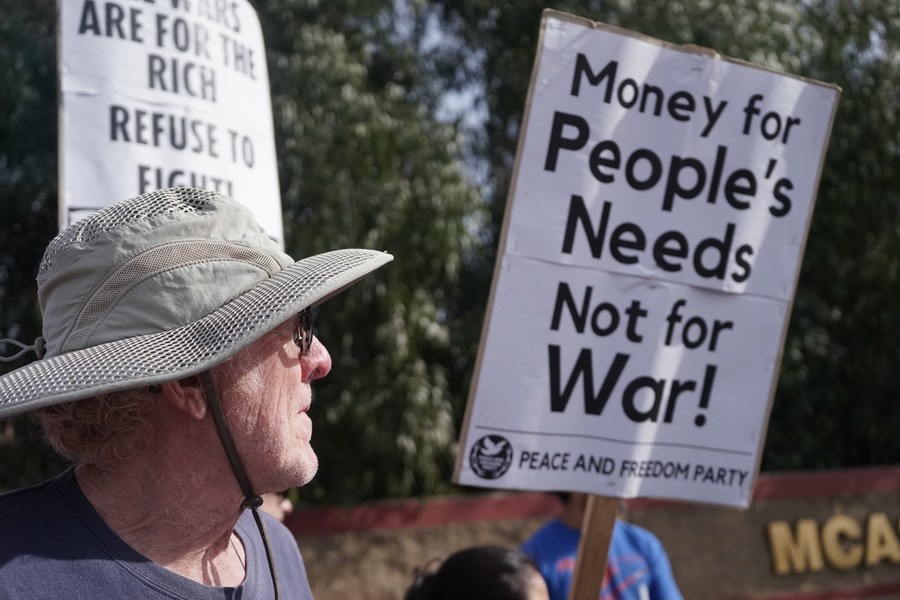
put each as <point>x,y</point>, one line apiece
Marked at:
<point>482,572</point>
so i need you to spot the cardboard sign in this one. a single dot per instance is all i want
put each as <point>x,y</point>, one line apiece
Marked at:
<point>162,94</point>
<point>650,251</point>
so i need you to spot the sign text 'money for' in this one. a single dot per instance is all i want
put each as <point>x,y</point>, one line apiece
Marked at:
<point>162,94</point>
<point>650,252</point>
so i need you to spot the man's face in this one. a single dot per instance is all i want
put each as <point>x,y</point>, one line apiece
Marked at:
<point>266,402</point>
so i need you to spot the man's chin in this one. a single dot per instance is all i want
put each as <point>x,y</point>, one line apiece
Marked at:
<point>305,470</point>
<point>295,471</point>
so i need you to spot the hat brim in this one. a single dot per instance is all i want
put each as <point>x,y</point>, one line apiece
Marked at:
<point>191,349</point>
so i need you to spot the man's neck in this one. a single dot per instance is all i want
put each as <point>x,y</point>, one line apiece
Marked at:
<point>178,517</point>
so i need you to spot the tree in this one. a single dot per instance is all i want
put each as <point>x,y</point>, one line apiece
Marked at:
<point>362,163</point>
<point>836,396</point>
<point>834,400</point>
<point>27,196</point>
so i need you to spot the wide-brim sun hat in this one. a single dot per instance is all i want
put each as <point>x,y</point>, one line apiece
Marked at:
<point>163,286</point>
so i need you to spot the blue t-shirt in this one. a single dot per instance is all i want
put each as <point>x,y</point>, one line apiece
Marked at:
<point>637,567</point>
<point>53,544</point>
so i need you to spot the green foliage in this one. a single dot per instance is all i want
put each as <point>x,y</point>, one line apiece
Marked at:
<point>28,200</point>
<point>363,164</point>
<point>837,394</point>
<point>27,159</point>
<point>839,377</point>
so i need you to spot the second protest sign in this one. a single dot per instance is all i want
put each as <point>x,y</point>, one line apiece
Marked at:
<point>650,252</point>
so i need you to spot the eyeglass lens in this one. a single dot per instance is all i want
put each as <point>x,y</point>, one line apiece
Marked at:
<point>303,334</point>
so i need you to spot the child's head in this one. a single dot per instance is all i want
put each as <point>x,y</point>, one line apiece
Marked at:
<point>483,572</point>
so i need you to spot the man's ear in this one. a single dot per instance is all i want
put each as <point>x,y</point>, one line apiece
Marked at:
<point>187,396</point>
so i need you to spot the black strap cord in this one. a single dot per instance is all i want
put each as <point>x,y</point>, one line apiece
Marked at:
<point>251,500</point>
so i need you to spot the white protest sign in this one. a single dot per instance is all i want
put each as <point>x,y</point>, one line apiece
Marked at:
<point>165,93</point>
<point>651,248</point>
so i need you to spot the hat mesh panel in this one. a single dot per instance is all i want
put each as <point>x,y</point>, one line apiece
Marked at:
<point>143,208</point>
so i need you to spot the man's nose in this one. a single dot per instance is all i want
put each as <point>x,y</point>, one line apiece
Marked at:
<point>317,363</point>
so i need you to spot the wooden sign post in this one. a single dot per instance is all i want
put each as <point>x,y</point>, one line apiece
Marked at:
<point>593,547</point>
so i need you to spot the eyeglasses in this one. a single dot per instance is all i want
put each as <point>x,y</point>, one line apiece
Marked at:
<point>303,333</point>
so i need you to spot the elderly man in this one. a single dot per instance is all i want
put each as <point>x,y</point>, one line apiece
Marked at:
<point>176,361</point>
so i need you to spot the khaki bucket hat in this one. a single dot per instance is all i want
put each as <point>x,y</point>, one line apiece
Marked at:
<point>162,286</point>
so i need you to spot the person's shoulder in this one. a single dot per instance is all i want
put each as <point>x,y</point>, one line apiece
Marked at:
<point>639,537</point>
<point>16,494</point>
<point>19,495</point>
<point>634,531</point>
<point>552,538</point>
<point>551,528</point>
<point>31,518</point>
<point>17,503</point>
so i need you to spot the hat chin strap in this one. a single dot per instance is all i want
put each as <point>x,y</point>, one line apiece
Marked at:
<point>251,500</point>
